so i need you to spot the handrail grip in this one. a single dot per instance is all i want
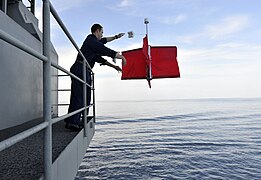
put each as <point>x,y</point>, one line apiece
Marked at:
<point>19,137</point>
<point>15,42</point>
<point>59,21</point>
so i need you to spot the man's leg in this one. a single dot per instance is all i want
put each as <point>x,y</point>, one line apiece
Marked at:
<point>76,101</point>
<point>88,93</point>
<point>76,98</point>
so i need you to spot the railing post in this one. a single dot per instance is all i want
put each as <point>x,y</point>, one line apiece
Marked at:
<point>93,98</point>
<point>84,99</point>
<point>47,92</point>
<point>4,6</point>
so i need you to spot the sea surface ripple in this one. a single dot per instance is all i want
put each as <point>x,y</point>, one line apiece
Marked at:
<point>176,139</point>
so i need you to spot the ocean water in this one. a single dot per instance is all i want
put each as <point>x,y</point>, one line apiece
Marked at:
<point>175,139</point>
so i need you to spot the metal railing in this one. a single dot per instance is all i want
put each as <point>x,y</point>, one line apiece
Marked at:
<point>47,64</point>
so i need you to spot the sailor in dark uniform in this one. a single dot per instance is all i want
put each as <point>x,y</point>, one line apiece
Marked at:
<point>93,49</point>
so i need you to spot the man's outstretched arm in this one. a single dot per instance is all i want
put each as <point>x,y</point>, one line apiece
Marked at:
<point>111,38</point>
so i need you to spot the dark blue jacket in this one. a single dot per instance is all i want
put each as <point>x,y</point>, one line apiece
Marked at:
<point>93,47</point>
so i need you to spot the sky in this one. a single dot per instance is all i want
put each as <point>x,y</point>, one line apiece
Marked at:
<point>219,45</point>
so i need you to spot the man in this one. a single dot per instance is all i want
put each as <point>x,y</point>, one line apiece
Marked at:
<point>93,49</point>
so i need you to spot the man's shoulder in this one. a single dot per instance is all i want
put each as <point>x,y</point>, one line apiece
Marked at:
<point>103,40</point>
<point>91,38</point>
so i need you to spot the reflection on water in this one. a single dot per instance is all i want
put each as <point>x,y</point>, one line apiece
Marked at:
<point>195,139</point>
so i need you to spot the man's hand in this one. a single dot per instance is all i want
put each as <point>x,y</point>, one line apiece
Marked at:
<point>120,35</point>
<point>124,61</point>
<point>119,56</point>
<point>118,68</point>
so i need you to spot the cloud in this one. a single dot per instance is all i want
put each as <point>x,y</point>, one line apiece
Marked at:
<point>227,26</point>
<point>223,29</point>
<point>235,52</point>
<point>125,3</point>
<point>137,8</point>
<point>224,61</point>
<point>170,20</point>
<point>62,5</point>
<point>59,6</point>
<point>67,56</point>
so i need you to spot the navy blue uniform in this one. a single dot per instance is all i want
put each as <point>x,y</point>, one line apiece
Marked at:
<point>92,50</point>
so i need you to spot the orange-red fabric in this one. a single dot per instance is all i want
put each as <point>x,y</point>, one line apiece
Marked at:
<point>161,63</point>
<point>164,62</point>
<point>136,65</point>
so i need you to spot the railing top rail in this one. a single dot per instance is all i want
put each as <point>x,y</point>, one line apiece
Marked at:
<point>8,38</point>
<point>19,137</point>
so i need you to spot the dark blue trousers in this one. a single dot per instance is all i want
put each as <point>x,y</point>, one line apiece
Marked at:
<point>76,99</point>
